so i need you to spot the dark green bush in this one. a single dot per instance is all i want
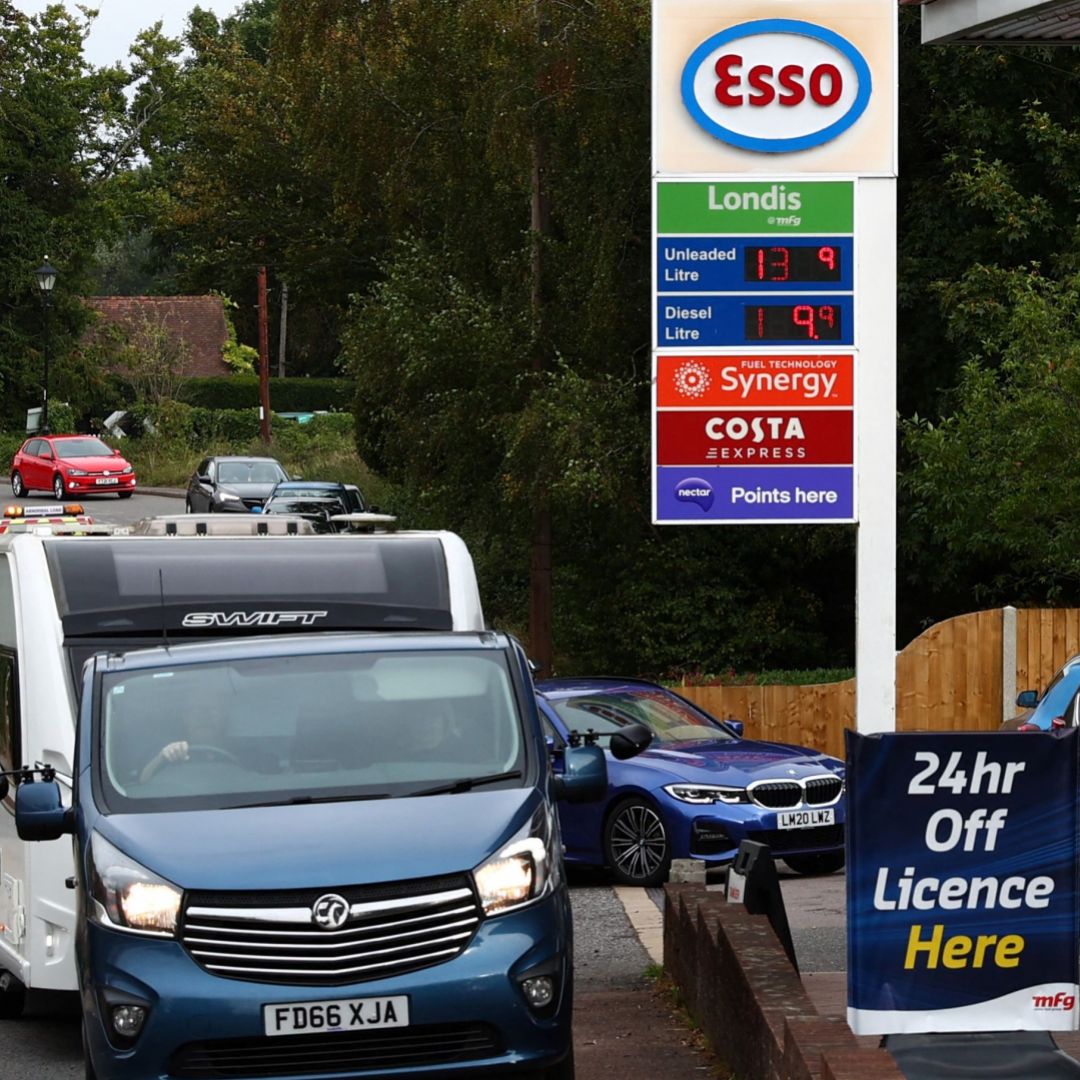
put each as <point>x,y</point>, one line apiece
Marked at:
<point>286,395</point>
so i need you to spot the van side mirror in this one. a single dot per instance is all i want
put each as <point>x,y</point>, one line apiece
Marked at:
<point>584,777</point>
<point>1027,699</point>
<point>39,811</point>
<point>629,741</point>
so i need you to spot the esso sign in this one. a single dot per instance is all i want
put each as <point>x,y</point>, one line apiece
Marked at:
<point>776,85</point>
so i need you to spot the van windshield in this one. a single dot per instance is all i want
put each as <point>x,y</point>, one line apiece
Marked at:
<point>302,728</point>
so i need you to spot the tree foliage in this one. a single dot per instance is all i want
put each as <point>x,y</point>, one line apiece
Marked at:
<point>57,154</point>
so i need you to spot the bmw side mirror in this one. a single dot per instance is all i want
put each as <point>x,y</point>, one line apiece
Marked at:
<point>1027,699</point>
<point>629,741</point>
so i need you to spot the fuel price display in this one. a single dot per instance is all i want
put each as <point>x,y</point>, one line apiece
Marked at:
<point>792,262</point>
<point>793,322</point>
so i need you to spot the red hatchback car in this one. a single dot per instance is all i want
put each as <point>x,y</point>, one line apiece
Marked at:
<point>68,465</point>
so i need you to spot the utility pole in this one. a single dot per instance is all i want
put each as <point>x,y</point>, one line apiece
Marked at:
<point>281,330</point>
<point>264,360</point>
<point>541,645</point>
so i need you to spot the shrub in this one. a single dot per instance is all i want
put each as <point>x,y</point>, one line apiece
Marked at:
<point>286,395</point>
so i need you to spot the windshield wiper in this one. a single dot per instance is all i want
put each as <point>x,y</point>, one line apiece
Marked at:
<point>301,800</point>
<point>467,784</point>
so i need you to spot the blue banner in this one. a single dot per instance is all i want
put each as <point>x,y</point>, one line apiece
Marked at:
<point>962,898</point>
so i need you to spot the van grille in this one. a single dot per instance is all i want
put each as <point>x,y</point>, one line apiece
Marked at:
<point>273,937</point>
<point>442,1044</point>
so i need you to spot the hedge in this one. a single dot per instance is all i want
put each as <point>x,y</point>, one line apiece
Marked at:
<point>286,395</point>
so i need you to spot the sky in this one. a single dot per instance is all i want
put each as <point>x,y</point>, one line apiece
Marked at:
<point>119,22</point>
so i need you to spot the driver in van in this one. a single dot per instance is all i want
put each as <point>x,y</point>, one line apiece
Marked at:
<point>205,729</point>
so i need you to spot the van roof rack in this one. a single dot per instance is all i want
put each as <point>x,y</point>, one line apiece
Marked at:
<point>223,525</point>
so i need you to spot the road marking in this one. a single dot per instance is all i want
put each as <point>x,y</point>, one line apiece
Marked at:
<point>646,919</point>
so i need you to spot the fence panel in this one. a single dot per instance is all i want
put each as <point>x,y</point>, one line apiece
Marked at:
<point>948,679</point>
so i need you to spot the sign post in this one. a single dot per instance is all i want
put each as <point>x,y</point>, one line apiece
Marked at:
<point>774,356</point>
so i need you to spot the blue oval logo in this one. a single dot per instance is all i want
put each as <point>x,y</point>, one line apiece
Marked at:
<point>776,85</point>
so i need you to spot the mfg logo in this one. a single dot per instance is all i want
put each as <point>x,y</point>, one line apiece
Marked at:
<point>776,85</point>
<point>1060,1000</point>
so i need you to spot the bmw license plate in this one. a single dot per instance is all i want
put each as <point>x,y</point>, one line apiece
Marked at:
<point>107,480</point>
<point>805,819</point>
<point>330,1017</point>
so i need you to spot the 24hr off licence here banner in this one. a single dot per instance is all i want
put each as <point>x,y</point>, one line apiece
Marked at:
<point>962,882</point>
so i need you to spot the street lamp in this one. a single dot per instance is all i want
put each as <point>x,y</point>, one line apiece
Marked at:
<point>46,279</point>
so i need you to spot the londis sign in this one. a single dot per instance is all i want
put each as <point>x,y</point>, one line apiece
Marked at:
<point>776,85</point>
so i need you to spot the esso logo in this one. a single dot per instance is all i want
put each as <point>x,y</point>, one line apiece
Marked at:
<point>776,85</point>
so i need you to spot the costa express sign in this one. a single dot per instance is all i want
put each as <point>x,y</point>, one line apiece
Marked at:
<point>776,85</point>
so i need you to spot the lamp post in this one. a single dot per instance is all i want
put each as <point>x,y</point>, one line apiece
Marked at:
<point>46,279</point>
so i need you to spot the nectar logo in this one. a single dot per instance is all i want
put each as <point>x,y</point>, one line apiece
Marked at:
<point>776,85</point>
<point>695,490</point>
<point>692,379</point>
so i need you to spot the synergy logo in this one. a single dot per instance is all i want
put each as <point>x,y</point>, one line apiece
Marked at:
<point>692,379</point>
<point>776,85</point>
<point>695,490</point>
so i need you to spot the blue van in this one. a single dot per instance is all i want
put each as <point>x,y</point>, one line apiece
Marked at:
<point>321,856</point>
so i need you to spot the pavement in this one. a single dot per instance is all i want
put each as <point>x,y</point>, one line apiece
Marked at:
<point>626,1024</point>
<point>816,911</point>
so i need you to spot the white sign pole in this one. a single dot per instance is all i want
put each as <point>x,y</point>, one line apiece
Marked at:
<point>875,578</point>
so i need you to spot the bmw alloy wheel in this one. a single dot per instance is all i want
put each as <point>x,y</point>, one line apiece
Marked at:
<point>636,844</point>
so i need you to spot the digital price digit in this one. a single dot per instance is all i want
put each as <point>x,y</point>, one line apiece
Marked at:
<point>781,263</point>
<point>792,322</point>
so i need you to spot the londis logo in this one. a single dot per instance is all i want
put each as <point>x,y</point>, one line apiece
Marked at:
<point>776,85</point>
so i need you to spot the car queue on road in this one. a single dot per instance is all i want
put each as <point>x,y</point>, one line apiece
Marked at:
<point>610,799</point>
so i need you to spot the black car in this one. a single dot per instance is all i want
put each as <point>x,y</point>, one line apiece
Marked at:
<point>314,508</point>
<point>350,495</point>
<point>233,484</point>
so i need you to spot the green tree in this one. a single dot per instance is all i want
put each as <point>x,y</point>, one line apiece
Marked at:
<point>58,125</point>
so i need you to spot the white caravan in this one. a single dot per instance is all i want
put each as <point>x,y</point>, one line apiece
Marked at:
<point>64,598</point>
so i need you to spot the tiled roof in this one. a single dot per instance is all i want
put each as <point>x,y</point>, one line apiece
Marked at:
<point>199,321</point>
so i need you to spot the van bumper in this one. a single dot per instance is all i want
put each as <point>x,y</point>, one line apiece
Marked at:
<point>470,1009</point>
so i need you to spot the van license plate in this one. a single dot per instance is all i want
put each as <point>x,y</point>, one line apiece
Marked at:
<point>805,819</point>
<point>107,480</point>
<point>328,1017</point>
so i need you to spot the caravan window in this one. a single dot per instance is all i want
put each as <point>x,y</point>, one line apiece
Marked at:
<point>224,585</point>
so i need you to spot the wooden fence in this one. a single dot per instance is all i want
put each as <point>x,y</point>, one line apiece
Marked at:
<point>961,674</point>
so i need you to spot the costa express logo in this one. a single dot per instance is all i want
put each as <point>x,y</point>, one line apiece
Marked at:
<point>776,85</point>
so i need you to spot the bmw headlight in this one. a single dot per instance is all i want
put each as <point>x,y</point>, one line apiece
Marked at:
<point>704,794</point>
<point>524,871</point>
<point>128,896</point>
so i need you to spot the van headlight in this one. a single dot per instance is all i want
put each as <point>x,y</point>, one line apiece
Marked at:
<point>522,872</point>
<point>127,896</point>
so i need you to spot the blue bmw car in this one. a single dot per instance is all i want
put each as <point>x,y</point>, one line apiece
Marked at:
<point>696,792</point>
